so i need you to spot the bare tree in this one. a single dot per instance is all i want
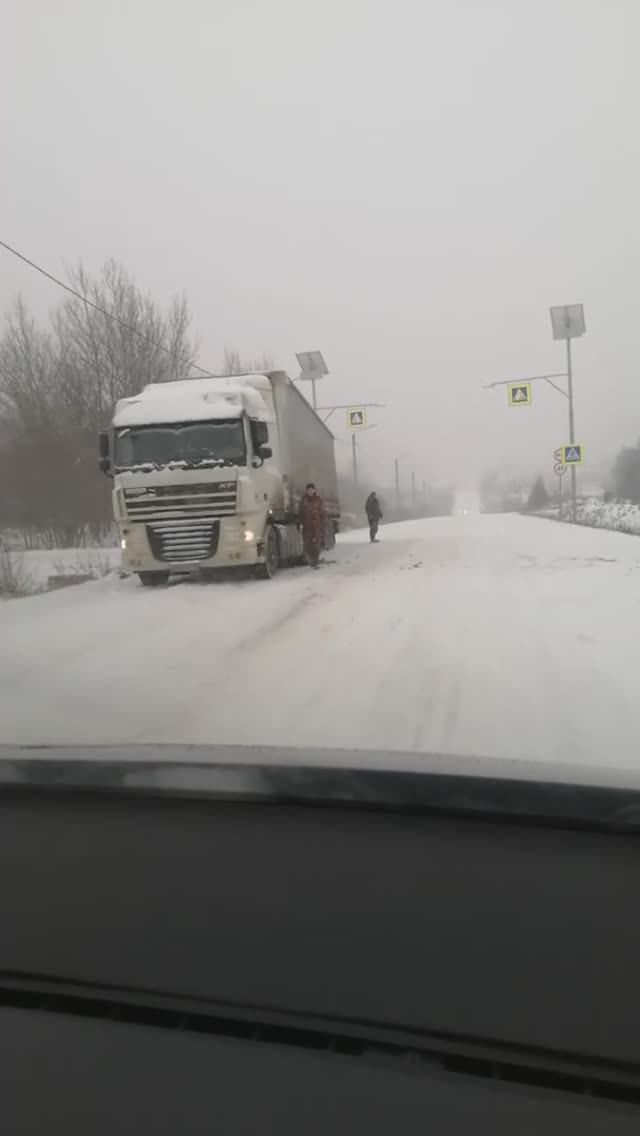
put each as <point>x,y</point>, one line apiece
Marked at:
<point>58,387</point>
<point>27,370</point>
<point>264,362</point>
<point>232,363</point>
<point>235,365</point>
<point>111,357</point>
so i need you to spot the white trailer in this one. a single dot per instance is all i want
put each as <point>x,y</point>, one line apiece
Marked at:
<point>208,473</point>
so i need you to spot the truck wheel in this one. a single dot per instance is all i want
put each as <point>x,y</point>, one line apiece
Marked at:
<point>153,579</point>
<point>271,564</point>
<point>329,541</point>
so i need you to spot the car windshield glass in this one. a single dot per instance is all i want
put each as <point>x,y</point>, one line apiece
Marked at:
<point>333,344</point>
<point>192,442</point>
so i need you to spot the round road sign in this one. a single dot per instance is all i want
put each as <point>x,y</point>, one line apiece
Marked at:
<point>558,454</point>
<point>560,469</point>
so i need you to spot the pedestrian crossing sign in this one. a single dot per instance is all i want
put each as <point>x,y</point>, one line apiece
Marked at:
<point>519,394</point>
<point>357,417</point>
<point>573,454</point>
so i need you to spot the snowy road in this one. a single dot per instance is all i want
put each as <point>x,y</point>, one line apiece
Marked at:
<point>502,636</point>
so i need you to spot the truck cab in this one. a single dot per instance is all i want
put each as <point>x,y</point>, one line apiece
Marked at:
<point>208,473</point>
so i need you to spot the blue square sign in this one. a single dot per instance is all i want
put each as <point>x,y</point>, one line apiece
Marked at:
<point>573,454</point>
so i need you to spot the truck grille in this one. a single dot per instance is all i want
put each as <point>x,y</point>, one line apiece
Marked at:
<point>183,541</point>
<point>168,502</point>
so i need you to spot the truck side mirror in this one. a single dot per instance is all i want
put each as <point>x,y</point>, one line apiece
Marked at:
<point>259,433</point>
<point>105,460</point>
<point>265,452</point>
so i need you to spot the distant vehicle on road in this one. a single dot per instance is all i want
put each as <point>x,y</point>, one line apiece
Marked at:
<point>466,503</point>
<point>208,473</point>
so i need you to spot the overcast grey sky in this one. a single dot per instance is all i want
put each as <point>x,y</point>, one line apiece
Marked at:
<point>406,185</point>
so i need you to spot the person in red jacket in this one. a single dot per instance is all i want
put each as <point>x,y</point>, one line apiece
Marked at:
<point>311,518</point>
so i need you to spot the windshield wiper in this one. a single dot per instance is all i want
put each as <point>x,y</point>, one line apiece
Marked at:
<point>138,467</point>
<point>177,463</point>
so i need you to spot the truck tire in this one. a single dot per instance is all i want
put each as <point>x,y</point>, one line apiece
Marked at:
<point>329,540</point>
<point>153,579</point>
<point>268,569</point>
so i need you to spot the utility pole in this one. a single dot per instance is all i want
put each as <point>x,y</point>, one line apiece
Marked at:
<point>397,484</point>
<point>413,489</point>
<point>355,459</point>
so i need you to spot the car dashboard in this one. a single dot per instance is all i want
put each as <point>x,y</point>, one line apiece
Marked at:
<point>279,943</point>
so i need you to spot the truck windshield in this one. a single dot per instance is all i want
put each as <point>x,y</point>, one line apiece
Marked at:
<point>191,443</point>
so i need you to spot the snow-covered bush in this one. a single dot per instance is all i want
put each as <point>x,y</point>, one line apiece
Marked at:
<point>621,516</point>
<point>93,562</point>
<point>14,578</point>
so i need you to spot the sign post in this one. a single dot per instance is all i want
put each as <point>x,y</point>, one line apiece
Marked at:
<point>560,469</point>
<point>356,420</point>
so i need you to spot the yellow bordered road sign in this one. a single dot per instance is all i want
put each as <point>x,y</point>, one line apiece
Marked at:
<point>519,394</point>
<point>573,454</point>
<point>357,417</point>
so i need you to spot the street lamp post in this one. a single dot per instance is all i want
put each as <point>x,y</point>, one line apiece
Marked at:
<point>312,368</point>
<point>572,429</point>
<point>354,449</point>
<point>568,323</point>
<point>354,454</point>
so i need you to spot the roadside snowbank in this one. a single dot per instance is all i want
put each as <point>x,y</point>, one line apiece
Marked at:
<point>618,516</point>
<point>23,573</point>
<point>94,562</point>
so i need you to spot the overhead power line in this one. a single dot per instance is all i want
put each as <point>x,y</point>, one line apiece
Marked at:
<point>104,312</point>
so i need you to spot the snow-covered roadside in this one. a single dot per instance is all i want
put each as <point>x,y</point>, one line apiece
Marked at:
<point>617,516</point>
<point>70,562</point>
<point>28,572</point>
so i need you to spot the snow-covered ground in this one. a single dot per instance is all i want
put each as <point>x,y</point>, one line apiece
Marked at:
<point>40,564</point>
<point>483,635</point>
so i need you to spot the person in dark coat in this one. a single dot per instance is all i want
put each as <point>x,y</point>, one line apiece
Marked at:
<point>312,518</point>
<point>374,516</point>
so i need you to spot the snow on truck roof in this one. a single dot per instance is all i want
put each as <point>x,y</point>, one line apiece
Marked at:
<point>196,400</point>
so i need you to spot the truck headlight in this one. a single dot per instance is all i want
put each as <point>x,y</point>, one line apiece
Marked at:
<point>248,535</point>
<point>123,543</point>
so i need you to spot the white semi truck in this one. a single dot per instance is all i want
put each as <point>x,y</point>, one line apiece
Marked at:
<point>208,473</point>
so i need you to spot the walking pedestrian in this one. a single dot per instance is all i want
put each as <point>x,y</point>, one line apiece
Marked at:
<point>312,519</point>
<point>374,516</point>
